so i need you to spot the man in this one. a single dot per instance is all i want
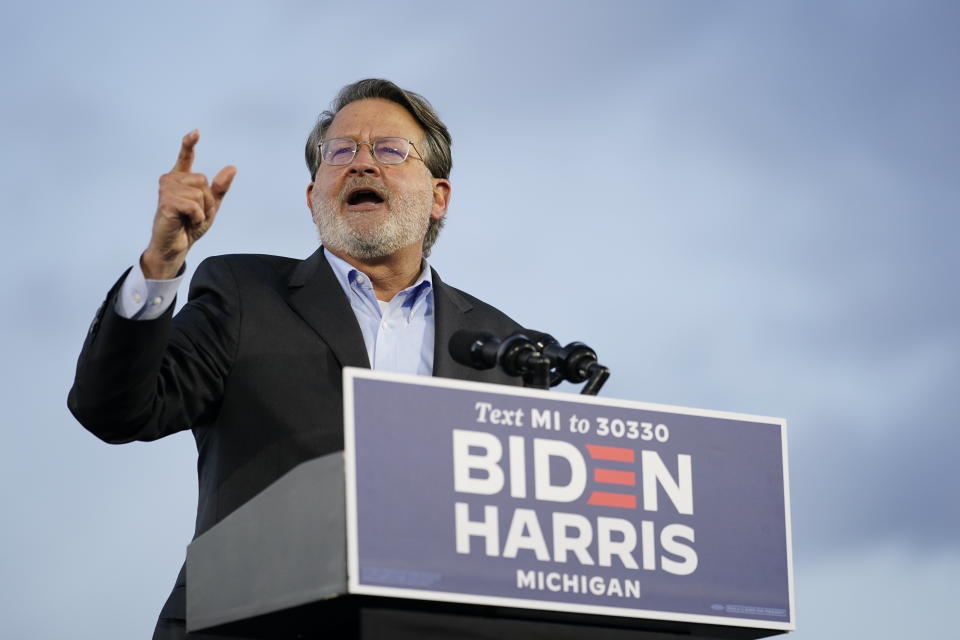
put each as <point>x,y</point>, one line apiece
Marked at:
<point>252,363</point>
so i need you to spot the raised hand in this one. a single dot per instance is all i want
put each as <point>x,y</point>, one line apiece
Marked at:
<point>186,207</point>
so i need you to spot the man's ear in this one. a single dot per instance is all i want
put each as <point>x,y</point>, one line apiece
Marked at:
<point>309,199</point>
<point>441,198</point>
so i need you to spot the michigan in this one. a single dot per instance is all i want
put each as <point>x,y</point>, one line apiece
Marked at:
<point>577,583</point>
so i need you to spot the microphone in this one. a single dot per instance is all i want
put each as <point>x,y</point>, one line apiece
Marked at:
<point>475,349</point>
<point>573,363</point>
<point>515,354</point>
<point>535,355</point>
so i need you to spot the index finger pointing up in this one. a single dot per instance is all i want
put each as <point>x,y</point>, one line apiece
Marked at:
<point>184,162</point>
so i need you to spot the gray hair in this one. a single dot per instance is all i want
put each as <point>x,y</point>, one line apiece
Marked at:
<point>436,156</point>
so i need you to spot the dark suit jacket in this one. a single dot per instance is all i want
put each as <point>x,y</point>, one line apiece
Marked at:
<point>252,364</point>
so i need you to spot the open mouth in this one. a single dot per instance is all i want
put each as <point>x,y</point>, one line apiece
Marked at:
<point>364,195</point>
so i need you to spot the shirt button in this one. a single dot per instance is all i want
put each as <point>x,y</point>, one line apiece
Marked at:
<point>384,325</point>
<point>361,279</point>
<point>156,300</point>
<point>137,297</point>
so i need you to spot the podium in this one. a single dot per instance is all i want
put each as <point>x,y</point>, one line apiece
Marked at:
<point>468,510</point>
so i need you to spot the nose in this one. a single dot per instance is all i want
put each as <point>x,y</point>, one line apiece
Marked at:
<point>364,162</point>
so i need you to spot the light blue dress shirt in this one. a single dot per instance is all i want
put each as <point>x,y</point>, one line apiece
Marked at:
<point>398,335</point>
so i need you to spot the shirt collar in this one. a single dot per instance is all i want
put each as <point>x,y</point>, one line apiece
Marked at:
<point>414,296</point>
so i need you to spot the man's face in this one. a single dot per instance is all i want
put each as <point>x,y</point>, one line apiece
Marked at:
<point>367,209</point>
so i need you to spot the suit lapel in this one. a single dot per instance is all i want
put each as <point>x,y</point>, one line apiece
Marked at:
<point>449,309</point>
<point>317,297</point>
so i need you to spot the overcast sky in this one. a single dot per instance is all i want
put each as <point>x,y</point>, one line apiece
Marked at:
<point>744,206</point>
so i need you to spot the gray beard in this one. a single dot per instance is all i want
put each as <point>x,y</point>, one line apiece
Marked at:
<point>351,234</point>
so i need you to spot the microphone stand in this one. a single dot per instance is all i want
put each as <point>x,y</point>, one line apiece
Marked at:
<point>517,355</point>
<point>538,372</point>
<point>598,375</point>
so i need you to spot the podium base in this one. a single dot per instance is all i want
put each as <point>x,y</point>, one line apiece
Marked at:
<point>371,618</point>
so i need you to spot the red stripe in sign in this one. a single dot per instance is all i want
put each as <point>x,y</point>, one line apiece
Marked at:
<point>615,477</point>
<point>617,454</point>
<point>605,499</point>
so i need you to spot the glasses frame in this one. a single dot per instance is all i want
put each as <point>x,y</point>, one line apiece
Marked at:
<point>373,152</point>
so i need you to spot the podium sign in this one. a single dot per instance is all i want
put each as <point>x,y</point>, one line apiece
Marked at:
<point>485,494</point>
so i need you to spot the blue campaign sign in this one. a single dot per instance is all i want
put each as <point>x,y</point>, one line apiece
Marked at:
<point>485,494</point>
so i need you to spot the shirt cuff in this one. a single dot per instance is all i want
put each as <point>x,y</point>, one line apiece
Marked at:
<point>142,299</point>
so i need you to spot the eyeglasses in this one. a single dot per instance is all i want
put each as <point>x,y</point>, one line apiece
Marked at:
<point>341,151</point>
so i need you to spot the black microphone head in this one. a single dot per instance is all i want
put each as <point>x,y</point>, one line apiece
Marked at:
<point>475,349</point>
<point>514,352</point>
<point>576,366</point>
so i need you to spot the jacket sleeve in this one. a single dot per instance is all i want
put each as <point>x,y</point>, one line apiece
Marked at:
<point>142,380</point>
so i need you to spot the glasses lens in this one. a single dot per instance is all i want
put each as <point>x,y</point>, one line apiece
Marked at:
<point>338,151</point>
<point>391,150</point>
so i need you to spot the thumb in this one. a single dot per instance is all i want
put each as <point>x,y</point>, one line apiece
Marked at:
<point>221,182</point>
